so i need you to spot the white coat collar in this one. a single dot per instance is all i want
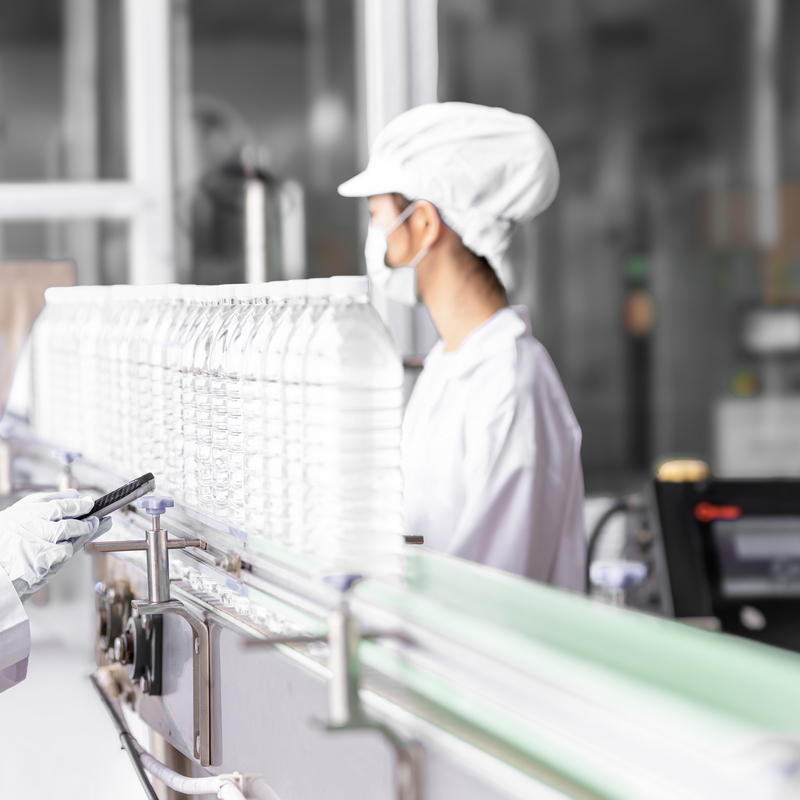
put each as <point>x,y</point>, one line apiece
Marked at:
<point>487,339</point>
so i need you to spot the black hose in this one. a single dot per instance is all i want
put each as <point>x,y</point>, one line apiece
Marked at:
<point>126,740</point>
<point>619,505</point>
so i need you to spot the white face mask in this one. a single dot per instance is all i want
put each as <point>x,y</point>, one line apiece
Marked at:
<point>396,283</point>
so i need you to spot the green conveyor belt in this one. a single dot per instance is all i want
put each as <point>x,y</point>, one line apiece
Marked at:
<point>705,700</point>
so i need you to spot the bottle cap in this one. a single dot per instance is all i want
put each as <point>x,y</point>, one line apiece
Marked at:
<point>58,294</point>
<point>175,291</point>
<point>295,289</point>
<point>153,292</point>
<point>210,294</point>
<point>98,294</point>
<point>227,291</point>
<point>317,287</point>
<point>120,292</point>
<point>277,290</point>
<point>258,290</point>
<point>349,285</point>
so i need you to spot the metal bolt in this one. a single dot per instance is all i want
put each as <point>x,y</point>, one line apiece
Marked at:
<point>197,744</point>
<point>122,648</point>
<point>230,562</point>
<point>197,646</point>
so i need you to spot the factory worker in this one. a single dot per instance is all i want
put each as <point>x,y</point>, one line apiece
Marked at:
<point>491,447</point>
<point>38,535</point>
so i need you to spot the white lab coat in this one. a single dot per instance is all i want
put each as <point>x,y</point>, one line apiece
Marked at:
<point>15,635</point>
<point>491,456</point>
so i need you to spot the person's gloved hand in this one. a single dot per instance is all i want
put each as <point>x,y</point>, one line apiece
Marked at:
<point>38,536</point>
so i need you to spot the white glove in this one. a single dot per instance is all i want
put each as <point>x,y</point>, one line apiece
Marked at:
<point>38,536</point>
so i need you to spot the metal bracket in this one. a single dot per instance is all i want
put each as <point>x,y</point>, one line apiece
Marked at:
<point>201,662</point>
<point>344,704</point>
<point>157,546</point>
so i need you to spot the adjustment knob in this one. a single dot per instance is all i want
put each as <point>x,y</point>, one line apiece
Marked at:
<point>66,456</point>
<point>155,506</point>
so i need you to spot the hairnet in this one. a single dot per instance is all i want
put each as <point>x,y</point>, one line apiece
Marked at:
<point>486,170</point>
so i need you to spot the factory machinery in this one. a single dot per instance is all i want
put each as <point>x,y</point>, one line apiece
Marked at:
<point>457,682</point>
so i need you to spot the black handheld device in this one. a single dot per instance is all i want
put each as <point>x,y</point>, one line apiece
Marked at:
<point>104,505</point>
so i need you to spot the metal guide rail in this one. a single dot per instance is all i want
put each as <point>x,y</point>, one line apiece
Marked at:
<point>478,683</point>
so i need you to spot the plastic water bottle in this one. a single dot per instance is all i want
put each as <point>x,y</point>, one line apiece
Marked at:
<point>109,366</point>
<point>50,369</point>
<point>254,400</point>
<point>127,372</point>
<point>353,392</point>
<point>153,411</point>
<point>184,441</point>
<point>177,339</point>
<point>214,498</point>
<point>226,365</point>
<point>157,304</point>
<point>68,433</point>
<point>41,365</point>
<point>275,413</point>
<point>201,368</point>
<point>91,344</point>
<point>292,478</point>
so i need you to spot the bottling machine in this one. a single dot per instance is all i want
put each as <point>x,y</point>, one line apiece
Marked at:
<point>457,682</point>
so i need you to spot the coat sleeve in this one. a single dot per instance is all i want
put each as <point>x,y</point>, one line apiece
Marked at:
<point>524,487</point>
<point>15,637</point>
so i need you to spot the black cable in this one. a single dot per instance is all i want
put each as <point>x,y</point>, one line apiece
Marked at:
<point>127,740</point>
<point>619,505</point>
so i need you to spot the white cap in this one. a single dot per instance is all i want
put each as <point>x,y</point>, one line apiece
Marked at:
<point>154,291</point>
<point>317,287</point>
<point>257,290</point>
<point>59,294</point>
<point>295,289</point>
<point>277,290</point>
<point>97,294</point>
<point>120,292</point>
<point>348,285</point>
<point>174,291</point>
<point>486,170</point>
<point>227,291</point>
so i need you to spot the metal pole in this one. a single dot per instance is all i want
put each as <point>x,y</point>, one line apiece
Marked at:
<point>183,120</point>
<point>157,563</point>
<point>765,119</point>
<point>397,69</point>
<point>81,125</point>
<point>146,30</point>
<point>255,224</point>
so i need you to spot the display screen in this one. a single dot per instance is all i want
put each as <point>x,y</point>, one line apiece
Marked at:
<point>758,556</point>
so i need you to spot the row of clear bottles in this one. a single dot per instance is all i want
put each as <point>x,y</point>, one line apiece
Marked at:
<point>275,408</point>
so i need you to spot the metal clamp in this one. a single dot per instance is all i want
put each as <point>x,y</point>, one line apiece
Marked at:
<point>159,603</point>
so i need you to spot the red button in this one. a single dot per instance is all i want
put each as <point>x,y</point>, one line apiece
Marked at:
<point>708,512</point>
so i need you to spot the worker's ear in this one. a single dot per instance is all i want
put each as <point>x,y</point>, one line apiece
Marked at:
<point>426,223</point>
